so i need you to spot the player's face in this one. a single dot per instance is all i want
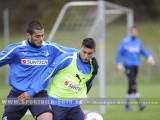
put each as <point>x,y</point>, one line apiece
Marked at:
<point>36,38</point>
<point>134,32</point>
<point>86,53</point>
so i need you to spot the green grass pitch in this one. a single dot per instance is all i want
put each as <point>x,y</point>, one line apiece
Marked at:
<point>149,93</point>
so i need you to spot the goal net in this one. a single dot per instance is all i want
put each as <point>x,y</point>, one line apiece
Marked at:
<point>78,20</point>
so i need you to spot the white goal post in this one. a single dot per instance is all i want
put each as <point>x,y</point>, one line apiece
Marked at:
<point>78,20</point>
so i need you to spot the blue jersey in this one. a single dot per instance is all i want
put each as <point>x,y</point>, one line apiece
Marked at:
<point>62,62</point>
<point>28,63</point>
<point>130,50</point>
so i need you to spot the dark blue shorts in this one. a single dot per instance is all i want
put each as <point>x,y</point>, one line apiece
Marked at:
<point>16,111</point>
<point>132,72</point>
<point>67,113</point>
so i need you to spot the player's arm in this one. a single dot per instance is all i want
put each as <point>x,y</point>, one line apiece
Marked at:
<point>143,51</point>
<point>58,49</point>
<point>7,55</point>
<point>89,83</point>
<point>147,55</point>
<point>94,73</point>
<point>41,84</point>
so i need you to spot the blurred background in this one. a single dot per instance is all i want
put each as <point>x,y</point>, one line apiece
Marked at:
<point>146,18</point>
<point>20,12</point>
<point>79,22</point>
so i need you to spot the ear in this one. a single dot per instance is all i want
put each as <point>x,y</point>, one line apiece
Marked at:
<point>28,35</point>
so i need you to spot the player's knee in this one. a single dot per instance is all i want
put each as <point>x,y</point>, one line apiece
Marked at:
<point>45,116</point>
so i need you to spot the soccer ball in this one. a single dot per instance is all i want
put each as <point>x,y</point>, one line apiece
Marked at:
<point>93,116</point>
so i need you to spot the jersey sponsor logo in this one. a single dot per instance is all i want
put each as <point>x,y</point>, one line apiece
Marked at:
<point>71,86</point>
<point>34,62</point>
<point>133,49</point>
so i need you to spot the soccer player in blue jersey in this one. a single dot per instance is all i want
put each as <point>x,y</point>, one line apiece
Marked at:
<point>27,60</point>
<point>128,61</point>
<point>72,74</point>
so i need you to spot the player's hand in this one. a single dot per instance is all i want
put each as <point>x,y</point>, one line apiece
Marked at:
<point>151,60</point>
<point>121,68</point>
<point>95,66</point>
<point>24,96</point>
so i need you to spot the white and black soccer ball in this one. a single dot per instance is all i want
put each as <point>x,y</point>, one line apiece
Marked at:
<point>93,116</point>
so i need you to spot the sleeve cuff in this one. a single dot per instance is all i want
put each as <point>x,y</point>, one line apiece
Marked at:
<point>31,92</point>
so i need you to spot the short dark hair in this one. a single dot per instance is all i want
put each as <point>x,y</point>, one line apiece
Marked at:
<point>89,43</point>
<point>34,25</point>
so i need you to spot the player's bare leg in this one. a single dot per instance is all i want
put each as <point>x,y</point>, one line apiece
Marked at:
<point>45,116</point>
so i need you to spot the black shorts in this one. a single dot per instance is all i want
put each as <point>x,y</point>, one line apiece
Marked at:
<point>17,111</point>
<point>132,72</point>
<point>67,113</point>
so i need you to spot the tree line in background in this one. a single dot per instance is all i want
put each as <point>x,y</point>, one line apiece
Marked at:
<point>46,11</point>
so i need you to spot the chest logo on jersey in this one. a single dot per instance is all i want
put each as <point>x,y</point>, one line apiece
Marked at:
<point>46,53</point>
<point>133,49</point>
<point>34,62</point>
<point>71,86</point>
